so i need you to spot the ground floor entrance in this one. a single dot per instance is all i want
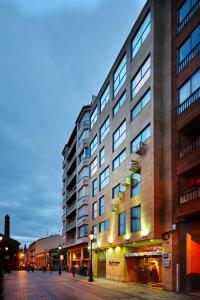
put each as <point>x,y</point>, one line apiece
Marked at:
<point>78,258</point>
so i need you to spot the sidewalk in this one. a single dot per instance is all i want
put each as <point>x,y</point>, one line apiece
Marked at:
<point>142,291</point>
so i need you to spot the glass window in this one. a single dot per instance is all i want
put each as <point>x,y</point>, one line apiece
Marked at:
<point>83,211</point>
<point>104,226</point>
<point>141,34</point>
<point>94,229</point>
<point>122,223</point>
<point>84,136</point>
<point>105,98</point>
<point>94,188</point>
<point>104,179</point>
<point>83,154</point>
<point>102,206</point>
<point>141,104</point>
<point>94,210</point>
<point>185,9</point>
<point>84,120</point>
<point>189,87</point>
<point>141,77</point>
<point>104,130</point>
<point>135,184</point>
<point>93,146</point>
<point>120,75</point>
<point>119,104</point>
<point>142,137</point>
<point>83,192</point>
<point>93,167</point>
<point>116,189</point>
<point>102,157</point>
<point>189,45</point>
<point>83,231</point>
<point>93,118</point>
<point>84,172</point>
<point>136,218</point>
<point>119,159</point>
<point>119,135</point>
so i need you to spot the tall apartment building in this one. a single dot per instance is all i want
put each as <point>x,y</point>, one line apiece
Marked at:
<point>133,166</point>
<point>186,140</point>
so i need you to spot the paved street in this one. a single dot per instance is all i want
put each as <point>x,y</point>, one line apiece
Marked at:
<point>38,285</point>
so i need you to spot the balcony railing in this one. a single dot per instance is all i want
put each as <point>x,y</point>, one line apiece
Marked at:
<point>190,195</point>
<point>189,57</point>
<point>70,241</point>
<point>190,147</point>
<point>71,224</point>
<point>71,208</point>
<point>188,16</point>
<point>85,123</point>
<point>189,101</point>
<point>70,148</point>
<point>69,163</point>
<point>68,195</point>
<point>69,179</point>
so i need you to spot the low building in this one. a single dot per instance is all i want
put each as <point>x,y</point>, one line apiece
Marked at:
<point>44,252</point>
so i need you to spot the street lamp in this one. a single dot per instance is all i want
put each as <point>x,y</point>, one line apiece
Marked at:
<point>60,260</point>
<point>91,237</point>
<point>1,238</point>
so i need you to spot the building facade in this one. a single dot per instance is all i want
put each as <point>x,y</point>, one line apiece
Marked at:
<point>186,142</point>
<point>133,175</point>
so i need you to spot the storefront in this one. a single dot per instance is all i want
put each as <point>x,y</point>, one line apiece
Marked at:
<point>77,257</point>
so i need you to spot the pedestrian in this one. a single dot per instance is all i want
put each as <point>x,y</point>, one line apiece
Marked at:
<point>73,271</point>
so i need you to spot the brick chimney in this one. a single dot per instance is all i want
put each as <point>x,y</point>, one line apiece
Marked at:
<point>7,226</point>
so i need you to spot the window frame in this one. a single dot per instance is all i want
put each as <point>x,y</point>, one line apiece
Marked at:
<point>106,127</point>
<point>118,157</point>
<point>93,117</point>
<point>108,177</point>
<point>95,145</point>
<point>119,103</point>
<point>138,228</point>
<point>120,135</point>
<point>93,167</point>
<point>94,210</point>
<point>122,225</point>
<point>117,75</point>
<point>105,97</point>
<point>101,206</point>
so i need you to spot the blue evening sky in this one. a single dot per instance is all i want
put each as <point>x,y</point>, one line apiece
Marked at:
<point>54,55</point>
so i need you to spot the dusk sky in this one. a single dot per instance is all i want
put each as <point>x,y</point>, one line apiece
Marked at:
<point>54,55</point>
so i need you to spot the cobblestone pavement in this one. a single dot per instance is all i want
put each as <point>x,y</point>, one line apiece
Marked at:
<point>51,286</point>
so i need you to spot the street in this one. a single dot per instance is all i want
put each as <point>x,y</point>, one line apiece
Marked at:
<point>22,285</point>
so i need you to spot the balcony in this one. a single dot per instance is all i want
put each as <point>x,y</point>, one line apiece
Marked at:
<point>188,102</point>
<point>188,58</point>
<point>70,209</point>
<point>189,203</point>
<point>71,193</point>
<point>84,162</point>
<point>70,241</point>
<point>63,190</point>
<point>82,181</point>
<point>84,125</point>
<point>70,178</point>
<point>193,10</point>
<point>83,239</point>
<point>82,200</point>
<point>190,147</point>
<point>69,163</point>
<point>82,220</point>
<point>70,225</point>
<point>71,148</point>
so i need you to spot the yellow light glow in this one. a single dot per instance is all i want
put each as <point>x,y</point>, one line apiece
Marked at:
<point>127,236</point>
<point>110,240</point>
<point>145,232</point>
<point>110,250</point>
<point>117,248</point>
<point>151,240</point>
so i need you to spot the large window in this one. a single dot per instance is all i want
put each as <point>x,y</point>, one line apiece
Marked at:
<point>119,104</point>
<point>136,218</point>
<point>140,105</point>
<point>122,223</point>
<point>141,34</point>
<point>94,188</point>
<point>104,226</point>
<point>105,98</point>
<point>94,229</point>
<point>83,192</point>
<point>93,146</point>
<point>102,156</point>
<point>102,206</point>
<point>94,210</point>
<point>186,11</point>
<point>142,137</point>
<point>104,179</point>
<point>135,184</point>
<point>84,172</point>
<point>84,136</point>
<point>119,135</point>
<point>141,77</point>
<point>83,231</point>
<point>93,167</point>
<point>116,189</point>
<point>104,130</point>
<point>120,75</point>
<point>84,120</point>
<point>83,154</point>
<point>83,211</point>
<point>93,118</point>
<point>119,159</point>
<point>189,49</point>
<point>189,92</point>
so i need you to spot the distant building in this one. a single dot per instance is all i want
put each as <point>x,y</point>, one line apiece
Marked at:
<point>9,249</point>
<point>44,252</point>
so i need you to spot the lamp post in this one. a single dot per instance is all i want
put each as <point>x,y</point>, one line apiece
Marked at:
<point>60,261</point>
<point>91,237</point>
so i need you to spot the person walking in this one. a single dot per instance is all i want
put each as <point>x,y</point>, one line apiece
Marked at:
<point>73,271</point>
